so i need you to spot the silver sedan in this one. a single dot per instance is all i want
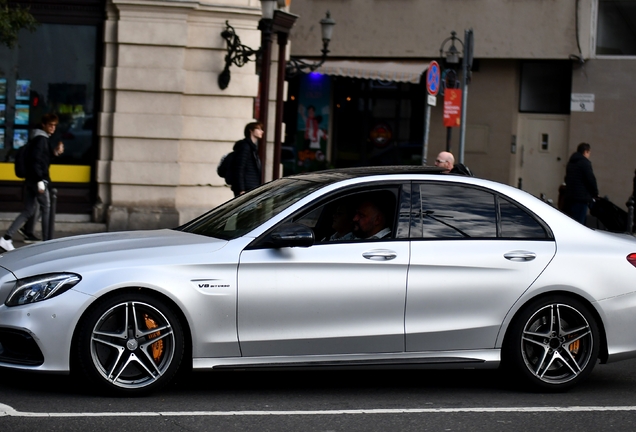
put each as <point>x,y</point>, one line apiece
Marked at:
<point>377,267</point>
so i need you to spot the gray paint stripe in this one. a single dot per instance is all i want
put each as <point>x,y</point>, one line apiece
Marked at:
<point>7,411</point>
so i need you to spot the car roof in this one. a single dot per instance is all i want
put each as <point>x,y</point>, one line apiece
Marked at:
<point>333,175</point>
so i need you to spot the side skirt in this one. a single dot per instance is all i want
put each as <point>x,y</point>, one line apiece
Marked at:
<point>474,359</point>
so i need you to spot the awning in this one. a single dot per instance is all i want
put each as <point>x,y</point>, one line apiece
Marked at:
<point>403,71</point>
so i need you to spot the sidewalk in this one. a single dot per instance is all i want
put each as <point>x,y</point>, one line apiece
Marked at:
<point>65,225</point>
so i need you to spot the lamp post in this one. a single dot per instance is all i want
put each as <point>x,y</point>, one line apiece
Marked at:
<point>283,22</point>
<point>239,54</point>
<point>265,26</point>
<point>296,65</point>
<point>452,58</point>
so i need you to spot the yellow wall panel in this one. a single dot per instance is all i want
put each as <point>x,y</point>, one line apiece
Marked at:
<point>59,173</point>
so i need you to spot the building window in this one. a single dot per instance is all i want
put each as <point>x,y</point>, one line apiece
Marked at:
<point>51,71</point>
<point>616,29</point>
<point>545,87</point>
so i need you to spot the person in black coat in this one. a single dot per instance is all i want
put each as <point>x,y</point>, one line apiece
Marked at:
<point>580,183</point>
<point>246,165</point>
<point>38,155</point>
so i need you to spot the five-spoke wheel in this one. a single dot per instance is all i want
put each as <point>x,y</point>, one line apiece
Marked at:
<point>553,343</point>
<point>131,343</point>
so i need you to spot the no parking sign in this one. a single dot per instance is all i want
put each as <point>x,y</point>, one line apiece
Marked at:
<point>433,78</point>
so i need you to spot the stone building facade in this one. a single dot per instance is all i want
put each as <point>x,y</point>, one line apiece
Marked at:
<point>548,74</point>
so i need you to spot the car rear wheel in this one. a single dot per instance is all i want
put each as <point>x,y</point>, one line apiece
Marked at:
<point>553,344</point>
<point>131,343</point>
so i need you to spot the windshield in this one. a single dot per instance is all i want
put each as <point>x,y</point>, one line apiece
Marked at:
<point>246,212</point>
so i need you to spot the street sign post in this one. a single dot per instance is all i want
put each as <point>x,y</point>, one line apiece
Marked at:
<point>433,81</point>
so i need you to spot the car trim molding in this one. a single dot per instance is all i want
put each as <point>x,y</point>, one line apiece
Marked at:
<point>481,359</point>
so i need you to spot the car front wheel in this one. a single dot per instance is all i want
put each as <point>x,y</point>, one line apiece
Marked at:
<point>553,344</point>
<point>131,343</point>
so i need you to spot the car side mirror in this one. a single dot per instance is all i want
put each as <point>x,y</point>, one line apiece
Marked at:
<point>292,235</point>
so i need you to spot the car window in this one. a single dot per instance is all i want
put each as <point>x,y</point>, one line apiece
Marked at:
<point>518,223</point>
<point>453,211</point>
<point>458,211</point>
<point>350,217</point>
<point>246,212</point>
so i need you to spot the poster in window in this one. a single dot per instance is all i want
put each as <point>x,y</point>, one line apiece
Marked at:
<point>2,138</point>
<point>313,122</point>
<point>23,89</point>
<point>3,112</point>
<point>20,138</point>
<point>22,114</point>
<point>3,88</point>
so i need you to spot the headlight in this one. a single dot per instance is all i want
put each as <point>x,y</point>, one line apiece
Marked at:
<point>38,288</point>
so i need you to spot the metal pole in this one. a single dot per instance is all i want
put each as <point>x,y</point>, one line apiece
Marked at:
<point>630,215</point>
<point>53,195</point>
<point>427,129</point>
<point>265,26</point>
<point>467,64</point>
<point>280,84</point>
<point>462,126</point>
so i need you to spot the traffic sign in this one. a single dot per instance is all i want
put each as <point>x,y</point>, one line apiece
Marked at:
<point>433,78</point>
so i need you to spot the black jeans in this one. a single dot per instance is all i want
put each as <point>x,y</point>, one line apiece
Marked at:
<point>33,198</point>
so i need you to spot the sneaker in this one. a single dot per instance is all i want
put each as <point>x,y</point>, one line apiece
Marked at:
<point>5,244</point>
<point>31,239</point>
<point>28,238</point>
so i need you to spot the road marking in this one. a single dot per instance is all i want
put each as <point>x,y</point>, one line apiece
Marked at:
<point>7,411</point>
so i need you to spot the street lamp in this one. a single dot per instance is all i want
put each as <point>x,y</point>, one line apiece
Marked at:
<point>273,20</point>
<point>283,22</point>
<point>239,54</point>
<point>296,65</point>
<point>452,55</point>
<point>451,58</point>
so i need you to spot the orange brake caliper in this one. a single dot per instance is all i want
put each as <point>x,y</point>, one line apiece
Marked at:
<point>157,347</point>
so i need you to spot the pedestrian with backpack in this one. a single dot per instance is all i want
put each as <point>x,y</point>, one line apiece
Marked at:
<point>36,161</point>
<point>245,172</point>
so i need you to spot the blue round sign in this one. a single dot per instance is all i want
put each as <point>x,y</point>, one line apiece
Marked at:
<point>433,78</point>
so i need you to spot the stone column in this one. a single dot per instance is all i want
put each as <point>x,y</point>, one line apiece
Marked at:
<point>164,121</point>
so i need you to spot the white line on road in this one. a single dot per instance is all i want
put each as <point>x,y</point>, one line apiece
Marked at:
<point>7,411</point>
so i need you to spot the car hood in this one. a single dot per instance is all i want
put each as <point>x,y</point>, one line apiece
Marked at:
<point>75,253</point>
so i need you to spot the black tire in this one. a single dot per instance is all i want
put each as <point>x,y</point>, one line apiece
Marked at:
<point>130,344</point>
<point>552,344</point>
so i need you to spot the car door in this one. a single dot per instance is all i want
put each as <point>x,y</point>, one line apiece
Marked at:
<point>473,253</point>
<point>342,297</point>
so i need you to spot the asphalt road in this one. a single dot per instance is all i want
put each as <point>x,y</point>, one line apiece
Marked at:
<point>389,400</point>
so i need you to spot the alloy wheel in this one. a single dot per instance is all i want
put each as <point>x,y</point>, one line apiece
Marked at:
<point>132,345</point>
<point>557,344</point>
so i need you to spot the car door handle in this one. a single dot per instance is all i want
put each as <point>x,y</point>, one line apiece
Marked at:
<point>380,255</point>
<point>520,256</point>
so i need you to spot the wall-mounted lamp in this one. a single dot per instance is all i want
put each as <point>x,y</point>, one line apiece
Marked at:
<point>296,65</point>
<point>239,54</point>
<point>268,7</point>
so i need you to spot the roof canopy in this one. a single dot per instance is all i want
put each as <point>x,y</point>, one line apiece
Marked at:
<point>402,71</point>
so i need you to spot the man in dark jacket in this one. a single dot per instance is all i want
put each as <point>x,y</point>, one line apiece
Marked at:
<point>38,159</point>
<point>246,169</point>
<point>580,183</point>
